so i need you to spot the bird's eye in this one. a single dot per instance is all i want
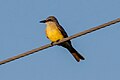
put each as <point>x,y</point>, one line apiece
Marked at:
<point>49,20</point>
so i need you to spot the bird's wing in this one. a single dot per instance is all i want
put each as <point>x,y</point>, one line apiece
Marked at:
<point>62,31</point>
<point>64,34</point>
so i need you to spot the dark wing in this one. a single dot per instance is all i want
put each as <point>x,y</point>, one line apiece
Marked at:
<point>62,31</point>
<point>65,35</point>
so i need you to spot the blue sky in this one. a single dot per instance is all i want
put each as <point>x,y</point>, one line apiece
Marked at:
<point>21,31</point>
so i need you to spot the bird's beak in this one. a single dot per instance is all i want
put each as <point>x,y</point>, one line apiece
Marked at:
<point>43,21</point>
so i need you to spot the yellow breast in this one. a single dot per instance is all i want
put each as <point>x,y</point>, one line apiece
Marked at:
<point>52,32</point>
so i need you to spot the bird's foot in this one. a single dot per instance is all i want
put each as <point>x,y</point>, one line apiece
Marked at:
<point>51,43</point>
<point>55,41</point>
<point>58,40</point>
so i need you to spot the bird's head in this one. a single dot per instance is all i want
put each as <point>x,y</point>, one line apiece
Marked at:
<point>49,19</point>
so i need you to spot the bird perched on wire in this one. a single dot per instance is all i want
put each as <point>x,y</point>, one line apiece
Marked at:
<point>55,32</point>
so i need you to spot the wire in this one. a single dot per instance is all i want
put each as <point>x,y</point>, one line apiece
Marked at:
<point>61,41</point>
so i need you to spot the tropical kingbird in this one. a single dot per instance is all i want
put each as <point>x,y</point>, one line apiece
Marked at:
<point>55,32</point>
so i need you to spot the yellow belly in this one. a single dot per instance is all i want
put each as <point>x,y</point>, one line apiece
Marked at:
<point>53,33</point>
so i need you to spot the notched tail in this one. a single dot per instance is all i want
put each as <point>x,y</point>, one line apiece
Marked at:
<point>75,54</point>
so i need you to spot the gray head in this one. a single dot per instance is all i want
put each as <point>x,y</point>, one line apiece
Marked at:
<point>49,19</point>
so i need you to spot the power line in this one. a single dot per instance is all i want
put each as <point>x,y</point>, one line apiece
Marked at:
<point>56,43</point>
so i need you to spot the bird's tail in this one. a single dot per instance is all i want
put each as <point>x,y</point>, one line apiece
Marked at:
<point>75,54</point>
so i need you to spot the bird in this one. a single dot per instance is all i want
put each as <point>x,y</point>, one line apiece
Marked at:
<point>55,32</point>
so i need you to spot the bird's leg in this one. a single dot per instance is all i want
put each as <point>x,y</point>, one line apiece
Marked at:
<point>58,40</point>
<point>51,43</point>
<point>55,41</point>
